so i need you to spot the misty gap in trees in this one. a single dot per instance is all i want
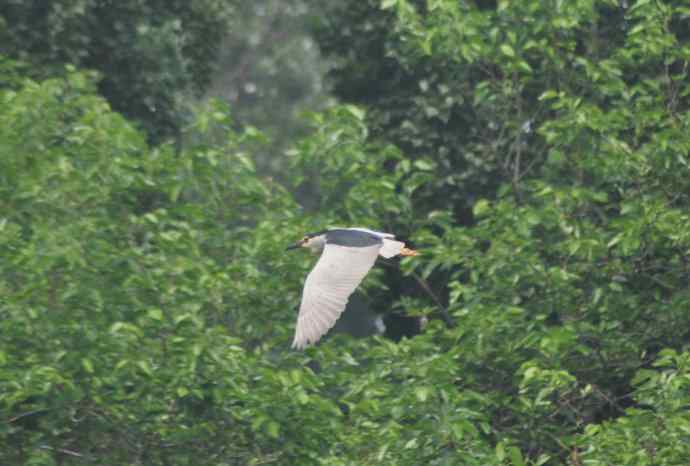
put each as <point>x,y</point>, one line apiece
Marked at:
<point>157,157</point>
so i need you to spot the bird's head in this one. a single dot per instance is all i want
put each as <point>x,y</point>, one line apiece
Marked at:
<point>313,241</point>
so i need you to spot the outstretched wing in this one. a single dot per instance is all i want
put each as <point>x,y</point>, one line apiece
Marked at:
<point>333,279</point>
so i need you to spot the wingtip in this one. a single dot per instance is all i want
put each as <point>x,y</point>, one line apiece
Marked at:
<point>298,344</point>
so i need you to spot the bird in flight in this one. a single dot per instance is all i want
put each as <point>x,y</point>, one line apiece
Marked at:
<point>346,257</point>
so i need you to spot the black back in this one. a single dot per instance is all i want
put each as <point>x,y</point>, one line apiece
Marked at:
<point>317,233</point>
<point>352,238</point>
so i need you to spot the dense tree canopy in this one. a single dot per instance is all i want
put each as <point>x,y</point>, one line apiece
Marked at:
<point>535,152</point>
<point>268,60</point>
<point>150,54</point>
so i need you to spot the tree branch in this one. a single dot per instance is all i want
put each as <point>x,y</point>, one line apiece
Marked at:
<point>443,311</point>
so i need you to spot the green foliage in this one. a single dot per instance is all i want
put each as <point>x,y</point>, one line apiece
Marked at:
<point>563,127</point>
<point>121,325</point>
<point>149,54</point>
<point>147,305</point>
<point>468,85</point>
<point>655,432</point>
<point>269,71</point>
<point>535,152</point>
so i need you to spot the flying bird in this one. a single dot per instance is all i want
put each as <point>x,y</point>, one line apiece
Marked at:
<point>347,254</point>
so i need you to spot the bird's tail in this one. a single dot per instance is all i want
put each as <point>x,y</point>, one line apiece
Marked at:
<point>392,248</point>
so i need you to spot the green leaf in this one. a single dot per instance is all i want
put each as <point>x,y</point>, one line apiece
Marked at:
<point>481,208</point>
<point>273,429</point>
<point>145,367</point>
<point>507,50</point>
<point>548,94</point>
<point>524,66</point>
<point>422,393</point>
<point>424,165</point>
<point>516,456</point>
<point>500,451</point>
<point>356,112</point>
<point>87,365</point>
<point>388,4</point>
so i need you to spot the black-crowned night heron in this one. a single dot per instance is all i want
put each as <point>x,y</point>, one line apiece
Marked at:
<point>348,254</point>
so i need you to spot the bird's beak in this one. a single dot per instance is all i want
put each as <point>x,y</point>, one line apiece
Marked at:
<point>294,246</point>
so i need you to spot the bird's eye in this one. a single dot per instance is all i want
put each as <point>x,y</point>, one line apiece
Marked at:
<point>305,239</point>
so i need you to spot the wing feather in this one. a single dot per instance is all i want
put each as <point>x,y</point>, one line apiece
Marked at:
<point>328,286</point>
